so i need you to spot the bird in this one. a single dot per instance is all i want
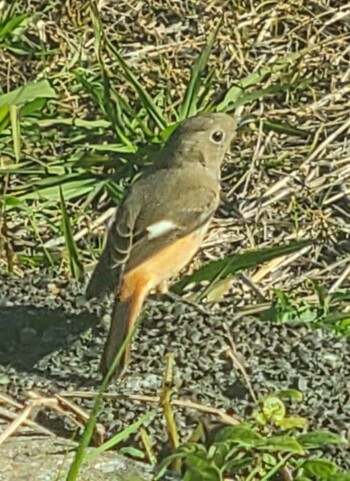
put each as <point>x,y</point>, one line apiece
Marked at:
<point>160,224</point>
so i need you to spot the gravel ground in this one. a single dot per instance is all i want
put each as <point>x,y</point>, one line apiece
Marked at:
<point>51,339</point>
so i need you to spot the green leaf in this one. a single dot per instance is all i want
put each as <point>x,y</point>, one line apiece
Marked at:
<point>189,105</point>
<point>276,467</point>
<point>182,452</point>
<point>235,465</point>
<point>243,436</point>
<point>120,437</point>
<point>76,267</point>
<point>32,107</point>
<point>345,476</point>
<point>220,269</point>
<point>204,473</point>
<point>293,422</point>
<point>27,93</point>
<point>317,439</point>
<point>219,453</point>
<point>274,409</point>
<point>163,465</point>
<point>269,459</point>
<point>198,461</point>
<point>218,290</point>
<point>132,452</point>
<point>281,444</point>
<point>13,201</point>
<point>289,394</point>
<point>4,111</point>
<point>320,468</point>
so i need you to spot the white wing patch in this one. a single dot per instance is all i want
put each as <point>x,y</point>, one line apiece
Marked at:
<point>204,216</point>
<point>112,218</point>
<point>160,228</point>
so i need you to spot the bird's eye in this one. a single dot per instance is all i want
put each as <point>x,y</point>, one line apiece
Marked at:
<point>217,136</point>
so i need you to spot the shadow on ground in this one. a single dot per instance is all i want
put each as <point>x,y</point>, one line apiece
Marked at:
<point>28,334</point>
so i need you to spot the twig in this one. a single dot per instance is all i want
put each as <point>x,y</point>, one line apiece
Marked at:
<point>29,424</point>
<point>21,418</point>
<point>344,275</point>
<point>226,418</point>
<point>165,399</point>
<point>232,354</point>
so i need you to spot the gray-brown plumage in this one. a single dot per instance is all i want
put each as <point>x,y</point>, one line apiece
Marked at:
<point>161,222</point>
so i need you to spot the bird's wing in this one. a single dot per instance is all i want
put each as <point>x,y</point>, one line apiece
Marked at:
<point>154,214</point>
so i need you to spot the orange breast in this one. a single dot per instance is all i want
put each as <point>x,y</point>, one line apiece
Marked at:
<point>163,265</point>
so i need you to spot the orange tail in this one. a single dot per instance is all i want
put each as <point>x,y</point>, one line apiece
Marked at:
<point>124,315</point>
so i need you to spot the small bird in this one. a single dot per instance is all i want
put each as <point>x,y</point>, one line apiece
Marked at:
<point>160,224</point>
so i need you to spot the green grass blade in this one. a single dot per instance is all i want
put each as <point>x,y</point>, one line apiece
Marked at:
<point>222,268</point>
<point>113,106</point>
<point>4,117</point>
<point>85,124</point>
<point>190,102</point>
<point>236,91</point>
<point>70,190</point>
<point>284,128</point>
<point>262,93</point>
<point>269,125</point>
<point>11,25</point>
<point>27,93</point>
<point>130,116</point>
<point>33,107</point>
<point>275,469</point>
<point>76,267</point>
<point>123,116</point>
<point>145,98</point>
<point>203,103</point>
<point>110,147</point>
<point>36,231</point>
<point>120,437</point>
<point>8,11</point>
<point>80,455</point>
<point>16,131</point>
<point>99,187</point>
<point>107,101</point>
